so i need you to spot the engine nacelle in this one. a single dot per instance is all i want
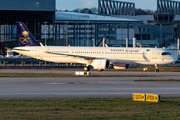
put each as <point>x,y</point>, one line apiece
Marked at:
<point>101,64</point>
<point>121,66</point>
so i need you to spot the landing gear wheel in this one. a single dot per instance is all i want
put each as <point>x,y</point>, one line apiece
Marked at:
<point>87,68</point>
<point>157,70</point>
<point>100,70</point>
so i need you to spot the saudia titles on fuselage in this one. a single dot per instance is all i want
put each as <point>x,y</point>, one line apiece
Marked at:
<point>122,50</point>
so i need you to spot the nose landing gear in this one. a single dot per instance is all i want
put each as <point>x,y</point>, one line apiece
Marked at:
<point>156,68</point>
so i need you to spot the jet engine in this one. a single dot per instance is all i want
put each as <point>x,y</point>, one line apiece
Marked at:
<point>121,66</point>
<point>101,64</point>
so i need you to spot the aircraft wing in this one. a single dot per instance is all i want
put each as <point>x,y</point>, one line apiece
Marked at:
<point>68,55</point>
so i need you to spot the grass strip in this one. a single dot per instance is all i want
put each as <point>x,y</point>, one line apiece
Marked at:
<point>75,109</point>
<point>63,75</point>
<point>170,80</point>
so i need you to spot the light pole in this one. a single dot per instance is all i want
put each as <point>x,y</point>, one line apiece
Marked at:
<point>45,32</point>
<point>93,43</point>
<point>88,35</point>
<point>66,33</point>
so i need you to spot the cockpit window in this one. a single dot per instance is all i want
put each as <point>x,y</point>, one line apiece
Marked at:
<point>166,53</point>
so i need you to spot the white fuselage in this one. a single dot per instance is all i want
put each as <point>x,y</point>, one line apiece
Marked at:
<point>115,55</point>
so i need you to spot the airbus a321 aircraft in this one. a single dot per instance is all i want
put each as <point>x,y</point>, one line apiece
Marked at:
<point>99,58</point>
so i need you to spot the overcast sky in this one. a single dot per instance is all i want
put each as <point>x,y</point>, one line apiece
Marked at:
<point>73,4</point>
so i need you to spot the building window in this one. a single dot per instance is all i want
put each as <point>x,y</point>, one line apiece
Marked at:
<point>144,36</point>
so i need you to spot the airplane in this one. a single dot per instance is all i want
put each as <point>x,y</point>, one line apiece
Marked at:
<point>100,58</point>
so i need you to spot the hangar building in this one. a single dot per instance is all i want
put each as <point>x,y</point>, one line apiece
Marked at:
<point>60,28</point>
<point>32,12</point>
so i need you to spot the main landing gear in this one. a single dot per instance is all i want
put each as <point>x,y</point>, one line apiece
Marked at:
<point>100,70</point>
<point>156,68</point>
<point>87,68</point>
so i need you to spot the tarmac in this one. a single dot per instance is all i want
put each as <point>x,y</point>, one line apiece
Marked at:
<point>86,87</point>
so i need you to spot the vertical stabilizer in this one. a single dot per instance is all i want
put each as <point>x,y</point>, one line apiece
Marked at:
<point>25,36</point>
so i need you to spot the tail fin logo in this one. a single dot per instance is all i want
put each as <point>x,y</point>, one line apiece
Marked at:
<point>24,38</point>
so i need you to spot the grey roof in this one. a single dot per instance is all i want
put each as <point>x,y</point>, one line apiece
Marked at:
<point>144,17</point>
<point>77,17</point>
<point>72,16</point>
<point>138,17</point>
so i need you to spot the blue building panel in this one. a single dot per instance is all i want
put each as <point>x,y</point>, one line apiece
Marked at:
<point>28,5</point>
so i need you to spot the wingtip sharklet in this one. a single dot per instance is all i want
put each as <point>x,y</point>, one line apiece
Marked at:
<point>44,49</point>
